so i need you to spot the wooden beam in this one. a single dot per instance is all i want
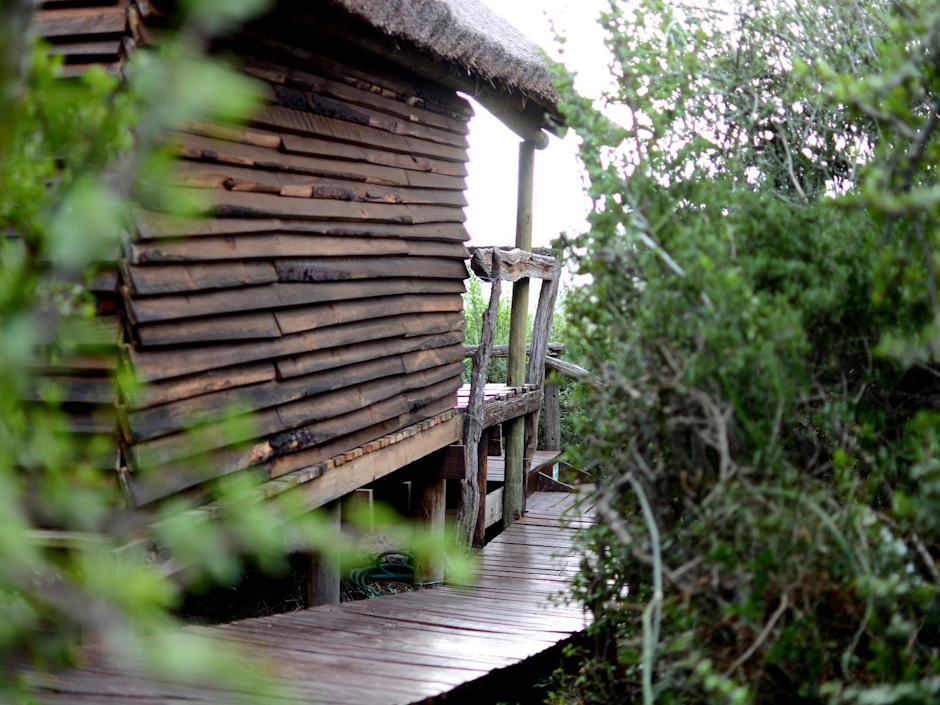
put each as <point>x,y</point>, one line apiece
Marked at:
<point>552,415</point>
<point>479,534</point>
<point>572,371</point>
<point>500,412</point>
<point>356,473</point>
<point>430,511</point>
<point>323,572</point>
<point>554,349</point>
<point>467,513</point>
<point>515,263</point>
<point>541,332</point>
<point>514,487</point>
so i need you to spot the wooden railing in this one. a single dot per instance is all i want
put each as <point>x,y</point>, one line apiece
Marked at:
<point>518,266</point>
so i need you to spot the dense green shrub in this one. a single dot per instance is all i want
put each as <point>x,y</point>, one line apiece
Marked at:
<point>762,306</point>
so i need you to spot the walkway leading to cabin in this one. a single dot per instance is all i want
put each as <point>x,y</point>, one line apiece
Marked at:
<point>399,649</point>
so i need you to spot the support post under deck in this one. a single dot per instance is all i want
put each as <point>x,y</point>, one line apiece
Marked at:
<point>323,572</point>
<point>514,492</point>
<point>430,511</point>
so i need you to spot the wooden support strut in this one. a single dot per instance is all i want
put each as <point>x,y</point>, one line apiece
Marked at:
<point>514,488</point>
<point>541,332</point>
<point>470,491</point>
<point>430,511</point>
<point>323,572</point>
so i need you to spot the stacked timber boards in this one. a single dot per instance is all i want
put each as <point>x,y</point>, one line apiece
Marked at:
<point>405,648</point>
<point>86,34</point>
<point>319,301</point>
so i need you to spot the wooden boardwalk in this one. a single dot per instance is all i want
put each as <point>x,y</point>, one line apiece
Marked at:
<point>393,650</point>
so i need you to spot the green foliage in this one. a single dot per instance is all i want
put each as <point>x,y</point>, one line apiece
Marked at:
<point>762,302</point>
<point>75,560</point>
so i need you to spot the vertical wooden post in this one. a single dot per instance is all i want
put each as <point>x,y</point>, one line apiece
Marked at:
<point>519,315</point>
<point>430,510</point>
<point>514,489</point>
<point>552,406</point>
<point>541,332</point>
<point>479,534</point>
<point>469,509</point>
<point>323,572</point>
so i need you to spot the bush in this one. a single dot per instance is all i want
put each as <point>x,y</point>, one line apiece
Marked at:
<point>762,304</point>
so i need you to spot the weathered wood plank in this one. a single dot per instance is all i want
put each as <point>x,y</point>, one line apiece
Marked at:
<point>297,97</point>
<point>313,317</point>
<point>470,488</point>
<point>337,356</point>
<point>80,21</point>
<point>554,349</point>
<point>412,164</point>
<point>383,78</point>
<point>155,365</point>
<point>245,326</point>
<point>300,415</point>
<point>357,436</point>
<point>249,247</point>
<point>287,120</point>
<point>497,412</point>
<point>425,401</point>
<point>277,296</point>
<point>541,332</point>
<point>226,204</point>
<point>346,268</point>
<point>178,278</point>
<point>101,48</point>
<point>516,264</point>
<point>552,417</point>
<point>362,471</point>
<point>152,226</point>
<point>354,96</point>
<point>156,393</point>
<point>238,178</point>
<point>210,149</point>
<point>168,418</point>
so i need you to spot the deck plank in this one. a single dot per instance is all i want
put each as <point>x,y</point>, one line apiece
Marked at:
<point>394,650</point>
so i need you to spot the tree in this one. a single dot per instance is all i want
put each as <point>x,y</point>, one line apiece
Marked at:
<point>763,306</point>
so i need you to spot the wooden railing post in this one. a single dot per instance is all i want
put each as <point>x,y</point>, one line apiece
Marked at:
<point>552,406</point>
<point>473,486</point>
<point>541,332</point>
<point>479,534</point>
<point>514,489</point>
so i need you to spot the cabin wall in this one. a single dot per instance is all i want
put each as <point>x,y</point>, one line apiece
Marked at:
<point>320,303</point>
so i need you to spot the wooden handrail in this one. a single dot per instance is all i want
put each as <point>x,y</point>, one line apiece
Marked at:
<point>516,264</point>
<point>552,361</point>
<point>503,350</point>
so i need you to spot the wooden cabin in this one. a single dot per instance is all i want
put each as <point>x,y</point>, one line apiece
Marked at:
<point>322,295</point>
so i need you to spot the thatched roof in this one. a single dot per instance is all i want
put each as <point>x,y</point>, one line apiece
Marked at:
<point>467,33</point>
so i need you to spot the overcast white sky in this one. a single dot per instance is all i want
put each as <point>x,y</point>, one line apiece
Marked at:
<point>559,201</point>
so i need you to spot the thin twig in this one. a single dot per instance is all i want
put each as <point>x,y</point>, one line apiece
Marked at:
<point>762,637</point>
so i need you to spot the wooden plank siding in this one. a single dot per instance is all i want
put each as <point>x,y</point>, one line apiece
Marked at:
<point>318,296</point>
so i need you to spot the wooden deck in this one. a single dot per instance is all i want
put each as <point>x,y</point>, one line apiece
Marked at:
<point>394,650</point>
<point>496,465</point>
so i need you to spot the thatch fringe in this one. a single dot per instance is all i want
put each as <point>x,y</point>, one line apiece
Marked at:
<point>465,32</point>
